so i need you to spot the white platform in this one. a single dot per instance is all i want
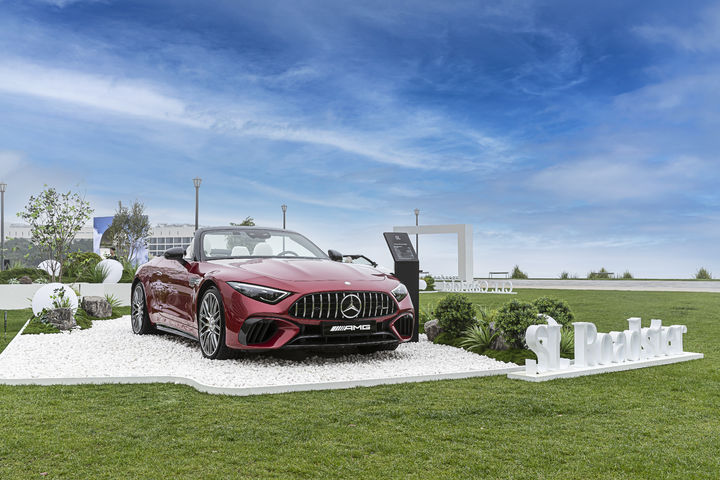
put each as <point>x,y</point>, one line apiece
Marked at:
<point>614,367</point>
<point>110,353</point>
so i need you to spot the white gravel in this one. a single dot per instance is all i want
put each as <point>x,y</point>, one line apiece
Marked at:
<point>110,349</point>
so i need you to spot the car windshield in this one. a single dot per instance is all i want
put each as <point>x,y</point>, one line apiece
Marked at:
<point>248,243</point>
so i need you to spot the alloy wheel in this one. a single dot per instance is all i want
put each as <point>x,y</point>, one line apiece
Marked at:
<point>209,324</point>
<point>138,308</point>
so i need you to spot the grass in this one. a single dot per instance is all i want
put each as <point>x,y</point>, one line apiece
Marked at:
<point>655,423</point>
<point>15,320</point>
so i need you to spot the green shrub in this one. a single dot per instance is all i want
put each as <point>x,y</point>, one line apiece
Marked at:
<point>513,319</point>
<point>477,339</point>
<point>601,274</point>
<point>430,283</point>
<point>445,338</point>
<point>518,274</point>
<point>627,275</point>
<point>564,275</point>
<point>16,273</point>
<point>455,314</point>
<point>485,315</point>
<point>80,264</point>
<point>557,309</point>
<point>703,274</point>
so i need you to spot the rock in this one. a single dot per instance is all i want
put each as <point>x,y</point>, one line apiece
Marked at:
<point>498,342</point>
<point>97,307</point>
<point>25,280</point>
<point>62,318</point>
<point>432,329</point>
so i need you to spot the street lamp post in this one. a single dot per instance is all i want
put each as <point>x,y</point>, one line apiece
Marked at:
<point>197,181</point>
<point>417,224</point>
<point>3,185</point>
<point>284,209</point>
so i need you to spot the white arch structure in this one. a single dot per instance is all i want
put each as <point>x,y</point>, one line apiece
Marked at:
<point>464,232</point>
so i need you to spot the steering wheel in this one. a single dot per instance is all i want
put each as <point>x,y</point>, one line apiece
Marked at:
<point>287,252</point>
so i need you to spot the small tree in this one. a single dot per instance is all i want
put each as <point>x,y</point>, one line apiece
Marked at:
<point>248,222</point>
<point>54,219</point>
<point>518,274</point>
<point>130,229</point>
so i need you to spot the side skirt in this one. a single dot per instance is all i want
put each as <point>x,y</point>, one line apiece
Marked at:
<point>175,331</point>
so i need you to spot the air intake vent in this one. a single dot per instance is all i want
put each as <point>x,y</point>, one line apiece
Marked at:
<point>404,325</point>
<point>343,305</point>
<point>256,331</point>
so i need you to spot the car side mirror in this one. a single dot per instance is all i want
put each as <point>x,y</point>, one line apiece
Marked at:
<point>175,253</point>
<point>335,256</point>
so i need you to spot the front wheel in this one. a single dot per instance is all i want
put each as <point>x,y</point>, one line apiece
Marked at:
<point>138,312</point>
<point>211,326</point>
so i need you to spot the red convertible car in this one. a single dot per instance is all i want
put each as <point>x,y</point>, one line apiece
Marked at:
<point>259,289</point>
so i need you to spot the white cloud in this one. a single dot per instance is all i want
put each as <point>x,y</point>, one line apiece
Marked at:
<point>9,162</point>
<point>614,177</point>
<point>704,36</point>
<point>146,100</point>
<point>120,96</point>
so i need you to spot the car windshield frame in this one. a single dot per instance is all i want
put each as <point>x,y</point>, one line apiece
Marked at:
<point>307,244</point>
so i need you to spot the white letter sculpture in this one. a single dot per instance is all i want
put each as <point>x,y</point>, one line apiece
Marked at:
<point>595,352</point>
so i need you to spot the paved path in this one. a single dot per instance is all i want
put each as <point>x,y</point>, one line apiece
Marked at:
<point>637,285</point>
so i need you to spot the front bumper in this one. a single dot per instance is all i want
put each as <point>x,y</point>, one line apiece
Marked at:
<point>273,333</point>
<point>254,326</point>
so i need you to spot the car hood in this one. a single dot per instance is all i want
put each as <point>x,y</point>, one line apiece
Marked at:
<point>303,270</point>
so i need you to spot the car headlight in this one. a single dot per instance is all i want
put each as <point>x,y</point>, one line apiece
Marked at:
<point>259,293</point>
<point>400,292</point>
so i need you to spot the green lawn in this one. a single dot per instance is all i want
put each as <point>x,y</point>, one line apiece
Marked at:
<point>660,422</point>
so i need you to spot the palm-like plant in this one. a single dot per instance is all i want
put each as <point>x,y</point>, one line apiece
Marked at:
<point>477,338</point>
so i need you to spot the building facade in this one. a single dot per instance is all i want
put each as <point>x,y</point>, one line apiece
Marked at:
<point>163,237</point>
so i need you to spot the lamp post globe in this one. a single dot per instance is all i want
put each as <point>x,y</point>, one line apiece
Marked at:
<point>197,181</point>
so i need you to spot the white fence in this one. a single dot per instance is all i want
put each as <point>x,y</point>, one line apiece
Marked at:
<point>446,283</point>
<point>14,297</point>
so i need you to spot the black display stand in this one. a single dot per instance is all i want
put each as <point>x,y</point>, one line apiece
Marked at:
<point>407,270</point>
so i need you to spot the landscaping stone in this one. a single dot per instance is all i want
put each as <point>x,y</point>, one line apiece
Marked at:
<point>498,342</point>
<point>432,329</point>
<point>97,307</point>
<point>62,318</point>
<point>25,280</point>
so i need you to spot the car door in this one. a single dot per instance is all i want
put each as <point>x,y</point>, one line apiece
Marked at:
<point>180,295</point>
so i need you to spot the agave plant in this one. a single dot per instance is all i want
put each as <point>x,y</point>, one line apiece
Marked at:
<point>477,338</point>
<point>99,273</point>
<point>129,267</point>
<point>112,300</point>
<point>567,342</point>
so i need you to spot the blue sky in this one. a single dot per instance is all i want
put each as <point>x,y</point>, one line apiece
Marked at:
<point>573,135</point>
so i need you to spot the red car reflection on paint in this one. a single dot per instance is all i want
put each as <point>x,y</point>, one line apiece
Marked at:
<point>260,289</point>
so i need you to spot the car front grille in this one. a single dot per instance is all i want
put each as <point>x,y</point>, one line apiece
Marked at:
<point>343,305</point>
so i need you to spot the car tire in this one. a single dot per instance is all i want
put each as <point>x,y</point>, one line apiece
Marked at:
<point>369,349</point>
<point>139,317</point>
<point>211,326</point>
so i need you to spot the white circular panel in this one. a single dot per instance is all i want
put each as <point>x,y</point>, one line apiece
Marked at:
<point>43,297</point>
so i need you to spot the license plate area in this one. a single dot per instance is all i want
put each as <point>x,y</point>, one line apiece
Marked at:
<point>347,328</point>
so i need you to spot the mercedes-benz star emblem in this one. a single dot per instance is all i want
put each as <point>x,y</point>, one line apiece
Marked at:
<point>350,306</point>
